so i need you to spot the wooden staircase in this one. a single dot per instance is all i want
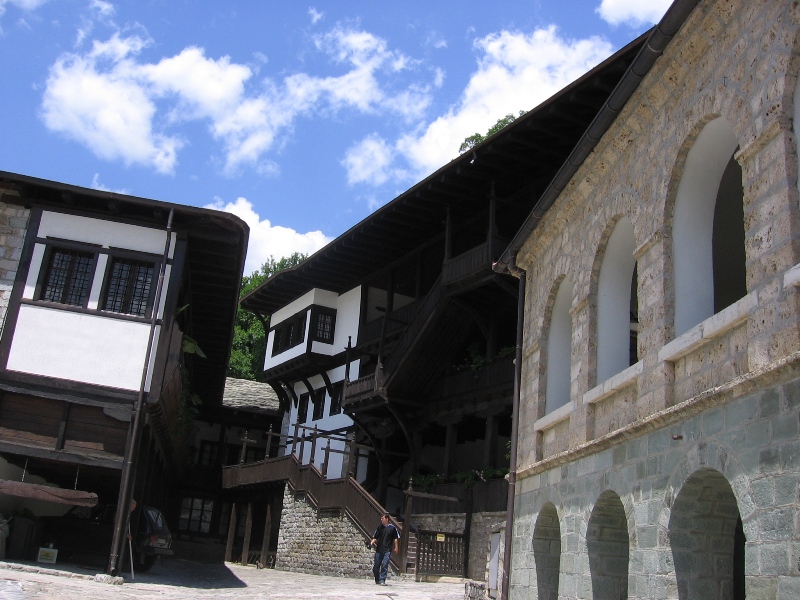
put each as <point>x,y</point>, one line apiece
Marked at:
<point>344,494</point>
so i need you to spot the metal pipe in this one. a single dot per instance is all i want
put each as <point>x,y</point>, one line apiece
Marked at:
<point>512,465</point>
<point>122,517</point>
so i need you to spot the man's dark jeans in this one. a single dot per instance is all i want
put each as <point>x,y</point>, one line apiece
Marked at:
<point>381,566</point>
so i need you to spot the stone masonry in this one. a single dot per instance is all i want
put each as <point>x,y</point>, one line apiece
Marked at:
<point>320,544</point>
<point>13,225</point>
<point>663,480</point>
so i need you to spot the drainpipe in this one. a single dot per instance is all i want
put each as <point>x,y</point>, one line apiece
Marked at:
<point>135,432</point>
<point>512,466</point>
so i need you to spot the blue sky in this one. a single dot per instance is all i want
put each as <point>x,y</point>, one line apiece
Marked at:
<point>301,118</point>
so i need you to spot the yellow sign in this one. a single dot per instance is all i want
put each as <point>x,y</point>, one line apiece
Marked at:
<point>47,555</point>
<point>439,537</point>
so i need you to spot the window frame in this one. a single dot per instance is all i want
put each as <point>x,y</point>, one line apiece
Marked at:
<point>317,315</point>
<point>318,403</point>
<point>296,328</point>
<point>206,508</point>
<point>51,247</point>
<point>115,256</point>
<point>336,400</point>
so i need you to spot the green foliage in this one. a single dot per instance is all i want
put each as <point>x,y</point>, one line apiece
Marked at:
<point>475,139</point>
<point>249,340</point>
<point>466,478</point>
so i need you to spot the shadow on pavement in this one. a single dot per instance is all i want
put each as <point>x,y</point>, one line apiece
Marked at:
<point>185,573</point>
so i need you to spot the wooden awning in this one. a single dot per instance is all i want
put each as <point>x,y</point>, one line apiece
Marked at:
<point>47,493</point>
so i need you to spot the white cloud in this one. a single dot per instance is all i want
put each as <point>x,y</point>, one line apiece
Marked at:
<point>266,239</point>
<point>23,5</point>
<point>516,71</point>
<point>369,160</point>
<point>632,12</point>
<point>315,15</point>
<point>124,108</point>
<point>109,112</point>
<point>96,185</point>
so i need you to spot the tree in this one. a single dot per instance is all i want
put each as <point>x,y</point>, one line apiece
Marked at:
<point>475,139</point>
<point>249,339</point>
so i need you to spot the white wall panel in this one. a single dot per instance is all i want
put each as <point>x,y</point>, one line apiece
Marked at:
<point>79,347</point>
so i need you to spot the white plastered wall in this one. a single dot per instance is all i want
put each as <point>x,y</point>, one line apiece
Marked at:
<point>693,223</point>
<point>613,302</point>
<point>559,349</point>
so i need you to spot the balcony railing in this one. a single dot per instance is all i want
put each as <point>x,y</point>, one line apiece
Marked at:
<point>473,262</point>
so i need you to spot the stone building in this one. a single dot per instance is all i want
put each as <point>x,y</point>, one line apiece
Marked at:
<point>659,441</point>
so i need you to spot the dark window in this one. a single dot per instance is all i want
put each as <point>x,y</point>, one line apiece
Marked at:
<point>208,453</point>
<point>324,322</point>
<point>196,515</point>
<point>129,287</point>
<point>302,409</point>
<point>319,404</point>
<point>69,277</point>
<point>254,454</point>
<point>336,400</point>
<point>289,334</point>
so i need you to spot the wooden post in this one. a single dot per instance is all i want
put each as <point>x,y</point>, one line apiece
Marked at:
<point>325,460</point>
<point>467,530</point>
<point>351,457</point>
<point>231,533</point>
<point>248,527</point>
<point>406,533</point>
<point>302,446</point>
<point>269,440</point>
<point>267,532</point>
<point>313,445</point>
<point>294,438</point>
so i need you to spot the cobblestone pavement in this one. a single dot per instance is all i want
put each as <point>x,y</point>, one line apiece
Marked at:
<point>184,579</point>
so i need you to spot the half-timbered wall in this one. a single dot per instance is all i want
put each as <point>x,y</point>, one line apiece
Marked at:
<point>48,337</point>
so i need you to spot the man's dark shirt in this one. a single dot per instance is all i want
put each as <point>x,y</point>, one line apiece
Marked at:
<point>385,535</point>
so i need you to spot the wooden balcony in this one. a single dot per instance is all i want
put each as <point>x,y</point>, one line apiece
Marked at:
<point>363,389</point>
<point>491,376</point>
<point>471,264</point>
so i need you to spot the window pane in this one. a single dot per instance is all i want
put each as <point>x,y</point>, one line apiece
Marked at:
<point>68,277</point>
<point>128,288</point>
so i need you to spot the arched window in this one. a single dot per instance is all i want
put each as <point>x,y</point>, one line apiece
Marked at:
<point>708,229</point>
<point>608,547</point>
<point>617,304</point>
<point>547,552</point>
<point>707,539</point>
<point>559,349</point>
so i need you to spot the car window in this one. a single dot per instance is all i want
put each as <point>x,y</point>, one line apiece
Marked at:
<point>156,518</point>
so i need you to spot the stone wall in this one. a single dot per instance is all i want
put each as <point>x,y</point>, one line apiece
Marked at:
<point>320,544</point>
<point>482,526</point>
<point>738,457</point>
<point>13,225</point>
<point>687,463</point>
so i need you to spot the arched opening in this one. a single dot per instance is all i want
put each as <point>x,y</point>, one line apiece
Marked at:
<point>707,539</point>
<point>608,547</point>
<point>547,552</point>
<point>616,307</point>
<point>559,349</point>
<point>708,229</point>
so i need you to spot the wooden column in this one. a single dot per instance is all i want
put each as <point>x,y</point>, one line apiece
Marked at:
<point>231,533</point>
<point>490,442</point>
<point>383,474</point>
<point>449,448</point>
<point>267,532</point>
<point>248,528</point>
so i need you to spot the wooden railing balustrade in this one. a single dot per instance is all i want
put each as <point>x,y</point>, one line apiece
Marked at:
<point>343,494</point>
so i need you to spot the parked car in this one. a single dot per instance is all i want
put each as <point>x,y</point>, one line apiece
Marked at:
<point>84,534</point>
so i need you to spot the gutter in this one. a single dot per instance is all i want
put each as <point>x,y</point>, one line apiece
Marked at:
<point>652,50</point>
<point>512,463</point>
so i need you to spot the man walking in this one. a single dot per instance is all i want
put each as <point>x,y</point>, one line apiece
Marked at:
<point>385,541</point>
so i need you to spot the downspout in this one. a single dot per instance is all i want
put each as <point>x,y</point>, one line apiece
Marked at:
<point>512,465</point>
<point>129,463</point>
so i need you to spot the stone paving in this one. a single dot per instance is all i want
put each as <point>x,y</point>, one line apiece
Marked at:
<point>183,579</point>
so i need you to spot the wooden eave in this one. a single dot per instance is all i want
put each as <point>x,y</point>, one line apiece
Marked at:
<point>524,155</point>
<point>215,253</point>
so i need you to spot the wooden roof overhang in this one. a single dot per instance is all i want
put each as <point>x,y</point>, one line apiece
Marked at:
<point>519,162</point>
<point>216,248</point>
